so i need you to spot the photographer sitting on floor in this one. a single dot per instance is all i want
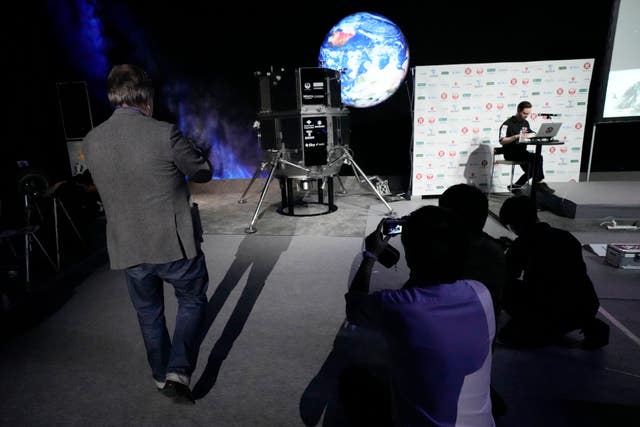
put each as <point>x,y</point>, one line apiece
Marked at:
<point>555,295</point>
<point>438,328</point>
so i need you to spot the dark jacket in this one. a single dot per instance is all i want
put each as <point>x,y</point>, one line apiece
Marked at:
<point>554,276</point>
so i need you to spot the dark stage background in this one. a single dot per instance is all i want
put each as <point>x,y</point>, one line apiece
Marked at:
<point>202,58</point>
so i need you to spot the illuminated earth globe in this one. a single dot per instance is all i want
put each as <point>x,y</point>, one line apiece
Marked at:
<point>372,55</point>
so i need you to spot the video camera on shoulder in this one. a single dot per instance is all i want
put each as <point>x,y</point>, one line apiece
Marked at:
<point>392,226</point>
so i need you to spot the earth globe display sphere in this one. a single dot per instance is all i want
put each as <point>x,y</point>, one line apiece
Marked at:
<point>372,55</point>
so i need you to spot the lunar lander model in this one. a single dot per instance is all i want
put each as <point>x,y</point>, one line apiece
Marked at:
<point>303,129</point>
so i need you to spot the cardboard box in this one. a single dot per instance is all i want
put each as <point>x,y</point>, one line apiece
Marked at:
<point>623,255</point>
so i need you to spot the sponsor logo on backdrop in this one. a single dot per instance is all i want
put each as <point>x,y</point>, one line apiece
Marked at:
<point>578,125</point>
<point>468,70</point>
<point>420,120</point>
<point>587,65</point>
<point>513,81</point>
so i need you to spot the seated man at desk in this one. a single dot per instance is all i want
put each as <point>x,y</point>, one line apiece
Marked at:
<point>509,138</point>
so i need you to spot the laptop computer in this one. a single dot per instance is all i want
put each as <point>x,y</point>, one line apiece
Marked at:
<point>547,131</point>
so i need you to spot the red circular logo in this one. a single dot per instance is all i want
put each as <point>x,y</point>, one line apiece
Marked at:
<point>552,150</point>
<point>578,125</point>
<point>443,95</point>
<point>587,65</point>
<point>418,176</point>
<point>452,153</point>
<point>488,106</point>
<point>500,106</point>
<point>572,91</point>
<point>420,120</point>
<point>441,153</point>
<point>525,82</point>
<point>464,130</point>
<point>432,120</point>
<point>467,70</point>
<point>559,91</point>
<point>514,81</point>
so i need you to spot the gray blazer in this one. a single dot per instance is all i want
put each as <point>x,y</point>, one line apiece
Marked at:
<point>139,165</point>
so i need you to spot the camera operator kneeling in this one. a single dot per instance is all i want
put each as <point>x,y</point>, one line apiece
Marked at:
<point>438,328</point>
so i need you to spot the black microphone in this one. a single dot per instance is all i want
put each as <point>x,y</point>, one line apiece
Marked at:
<point>548,114</point>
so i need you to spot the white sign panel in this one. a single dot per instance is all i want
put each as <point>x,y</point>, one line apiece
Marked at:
<point>458,111</point>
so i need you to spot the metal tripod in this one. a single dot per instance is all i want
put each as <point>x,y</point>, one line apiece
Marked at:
<point>29,232</point>
<point>58,203</point>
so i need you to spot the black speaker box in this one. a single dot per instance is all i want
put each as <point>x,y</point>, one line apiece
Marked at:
<point>550,202</point>
<point>557,205</point>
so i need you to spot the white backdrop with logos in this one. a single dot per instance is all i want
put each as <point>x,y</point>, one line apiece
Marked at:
<point>458,110</point>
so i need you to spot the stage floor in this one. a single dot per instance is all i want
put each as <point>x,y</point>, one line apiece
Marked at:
<point>277,344</point>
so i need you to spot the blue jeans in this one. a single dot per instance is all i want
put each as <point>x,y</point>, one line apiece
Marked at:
<point>190,279</point>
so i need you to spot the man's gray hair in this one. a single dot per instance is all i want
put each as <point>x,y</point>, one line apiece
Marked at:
<point>130,85</point>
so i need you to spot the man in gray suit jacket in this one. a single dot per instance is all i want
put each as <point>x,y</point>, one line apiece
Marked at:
<point>140,167</point>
